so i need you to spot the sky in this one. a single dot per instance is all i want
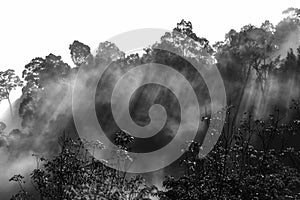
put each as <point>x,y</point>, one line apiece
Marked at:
<point>36,28</point>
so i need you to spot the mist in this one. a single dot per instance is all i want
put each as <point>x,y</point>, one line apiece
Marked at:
<point>49,115</point>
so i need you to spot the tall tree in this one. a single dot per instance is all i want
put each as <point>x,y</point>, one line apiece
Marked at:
<point>40,73</point>
<point>8,82</point>
<point>249,54</point>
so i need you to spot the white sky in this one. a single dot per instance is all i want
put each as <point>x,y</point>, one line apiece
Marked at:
<point>36,28</point>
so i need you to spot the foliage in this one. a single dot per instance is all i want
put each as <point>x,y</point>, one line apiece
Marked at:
<point>75,174</point>
<point>252,160</point>
<point>79,52</point>
<point>43,76</point>
<point>22,194</point>
<point>41,70</point>
<point>8,82</point>
<point>236,169</point>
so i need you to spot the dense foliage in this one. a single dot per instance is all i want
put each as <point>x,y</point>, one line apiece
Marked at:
<point>75,174</point>
<point>253,159</point>
<point>237,169</point>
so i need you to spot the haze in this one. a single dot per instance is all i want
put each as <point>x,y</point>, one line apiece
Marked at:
<point>36,28</point>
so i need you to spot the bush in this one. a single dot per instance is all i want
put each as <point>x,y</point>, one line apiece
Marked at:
<point>74,174</point>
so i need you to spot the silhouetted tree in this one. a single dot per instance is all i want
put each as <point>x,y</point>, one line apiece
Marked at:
<point>8,82</point>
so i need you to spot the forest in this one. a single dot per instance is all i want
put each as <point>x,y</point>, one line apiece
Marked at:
<point>257,155</point>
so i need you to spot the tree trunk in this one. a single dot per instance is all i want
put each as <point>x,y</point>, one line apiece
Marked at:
<point>240,99</point>
<point>10,107</point>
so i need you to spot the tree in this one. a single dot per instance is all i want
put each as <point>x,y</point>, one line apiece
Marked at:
<point>39,74</point>
<point>246,56</point>
<point>79,52</point>
<point>40,71</point>
<point>287,31</point>
<point>293,12</point>
<point>186,43</point>
<point>108,52</point>
<point>8,82</point>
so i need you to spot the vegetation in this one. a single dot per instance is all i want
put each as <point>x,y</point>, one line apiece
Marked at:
<point>8,82</point>
<point>253,159</point>
<point>75,174</point>
<point>236,169</point>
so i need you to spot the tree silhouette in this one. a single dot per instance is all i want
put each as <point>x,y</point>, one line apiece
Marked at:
<point>8,82</point>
